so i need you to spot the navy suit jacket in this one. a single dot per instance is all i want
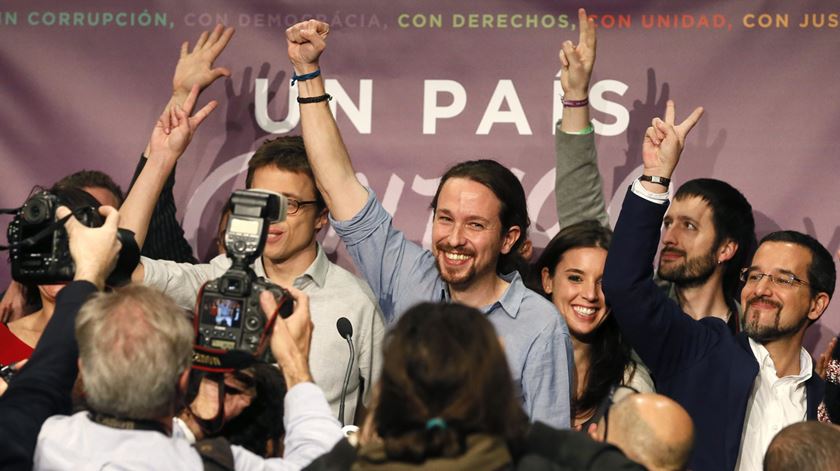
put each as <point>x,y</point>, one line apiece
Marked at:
<point>699,364</point>
<point>42,389</point>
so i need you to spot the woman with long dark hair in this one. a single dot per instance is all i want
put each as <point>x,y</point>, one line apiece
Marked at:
<point>569,274</point>
<point>19,337</point>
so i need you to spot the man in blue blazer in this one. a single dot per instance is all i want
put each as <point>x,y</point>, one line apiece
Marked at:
<point>739,390</point>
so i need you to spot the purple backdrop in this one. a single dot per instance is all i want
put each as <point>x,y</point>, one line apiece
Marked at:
<point>420,85</point>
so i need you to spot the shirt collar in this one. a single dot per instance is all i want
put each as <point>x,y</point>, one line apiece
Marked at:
<point>511,299</point>
<point>761,354</point>
<point>317,270</point>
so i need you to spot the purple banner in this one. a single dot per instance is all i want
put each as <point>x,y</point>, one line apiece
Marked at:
<point>421,85</point>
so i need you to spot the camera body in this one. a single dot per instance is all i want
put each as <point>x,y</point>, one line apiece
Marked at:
<point>45,259</point>
<point>228,313</point>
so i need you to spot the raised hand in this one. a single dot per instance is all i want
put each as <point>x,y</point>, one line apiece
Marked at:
<point>821,364</point>
<point>577,60</point>
<point>664,141</point>
<point>175,128</point>
<point>292,336</point>
<point>196,67</point>
<point>306,41</point>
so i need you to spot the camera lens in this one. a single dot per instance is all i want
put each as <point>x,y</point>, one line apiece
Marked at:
<point>36,211</point>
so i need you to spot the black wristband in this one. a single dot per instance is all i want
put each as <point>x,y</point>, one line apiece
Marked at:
<point>654,179</point>
<point>314,99</point>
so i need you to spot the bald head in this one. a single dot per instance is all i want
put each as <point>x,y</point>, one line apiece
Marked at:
<point>652,430</point>
<point>804,445</point>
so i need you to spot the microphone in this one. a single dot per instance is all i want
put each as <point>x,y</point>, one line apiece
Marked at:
<point>345,330</point>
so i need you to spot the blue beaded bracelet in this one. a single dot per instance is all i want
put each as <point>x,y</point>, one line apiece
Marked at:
<point>304,77</point>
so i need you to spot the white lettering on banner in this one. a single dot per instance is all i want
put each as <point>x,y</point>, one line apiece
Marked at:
<point>598,103</point>
<point>504,92</point>
<point>360,116</point>
<point>432,112</point>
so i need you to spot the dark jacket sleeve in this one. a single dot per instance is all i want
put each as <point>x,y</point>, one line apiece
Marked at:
<point>665,337</point>
<point>43,387</point>
<point>568,449</point>
<point>165,239</point>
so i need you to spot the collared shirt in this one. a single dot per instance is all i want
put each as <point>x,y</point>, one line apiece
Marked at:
<point>76,442</point>
<point>402,274</point>
<point>774,404</point>
<point>333,293</point>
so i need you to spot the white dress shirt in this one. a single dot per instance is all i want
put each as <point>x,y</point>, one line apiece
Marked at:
<point>774,404</point>
<point>75,442</point>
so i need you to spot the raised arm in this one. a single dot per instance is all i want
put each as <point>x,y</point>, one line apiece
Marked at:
<point>42,388</point>
<point>578,189</point>
<point>327,154</point>
<point>164,150</point>
<point>663,336</point>
<point>577,62</point>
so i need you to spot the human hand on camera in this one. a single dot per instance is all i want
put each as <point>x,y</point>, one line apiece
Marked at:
<point>291,337</point>
<point>94,249</point>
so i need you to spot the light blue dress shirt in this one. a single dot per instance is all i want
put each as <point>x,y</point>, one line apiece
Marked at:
<point>536,338</point>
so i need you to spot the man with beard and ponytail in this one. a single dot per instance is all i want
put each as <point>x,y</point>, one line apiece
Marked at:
<point>740,390</point>
<point>479,222</point>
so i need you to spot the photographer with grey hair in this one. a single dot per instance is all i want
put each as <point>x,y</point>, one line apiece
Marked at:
<point>135,350</point>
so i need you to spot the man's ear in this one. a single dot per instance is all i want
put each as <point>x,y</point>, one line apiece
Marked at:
<point>321,219</point>
<point>818,305</point>
<point>510,238</point>
<point>726,251</point>
<point>184,381</point>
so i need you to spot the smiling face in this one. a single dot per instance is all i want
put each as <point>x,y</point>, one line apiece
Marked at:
<point>688,256</point>
<point>773,312</point>
<point>467,233</point>
<point>575,289</point>
<point>295,237</point>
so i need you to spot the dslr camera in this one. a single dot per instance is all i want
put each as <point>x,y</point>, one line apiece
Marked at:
<point>228,313</point>
<point>39,246</point>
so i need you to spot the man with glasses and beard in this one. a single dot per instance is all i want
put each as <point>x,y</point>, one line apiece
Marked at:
<point>739,390</point>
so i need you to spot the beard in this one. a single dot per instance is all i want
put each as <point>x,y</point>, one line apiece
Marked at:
<point>456,277</point>
<point>693,272</point>
<point>767,333</point>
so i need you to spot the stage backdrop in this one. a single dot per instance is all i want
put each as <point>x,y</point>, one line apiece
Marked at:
<point>419,85</point>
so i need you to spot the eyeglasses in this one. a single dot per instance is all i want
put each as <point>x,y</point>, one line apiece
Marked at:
<point>752,276</point>
<point>610,404</point>
<point>293,205</point>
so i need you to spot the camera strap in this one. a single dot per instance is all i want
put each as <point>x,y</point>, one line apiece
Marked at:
<point>128,424</point>
<point>209,427</point>
<point>34,239</point>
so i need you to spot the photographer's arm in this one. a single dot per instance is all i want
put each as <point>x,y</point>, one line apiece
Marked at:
<point>42,388</point>
<point>311,429</point>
